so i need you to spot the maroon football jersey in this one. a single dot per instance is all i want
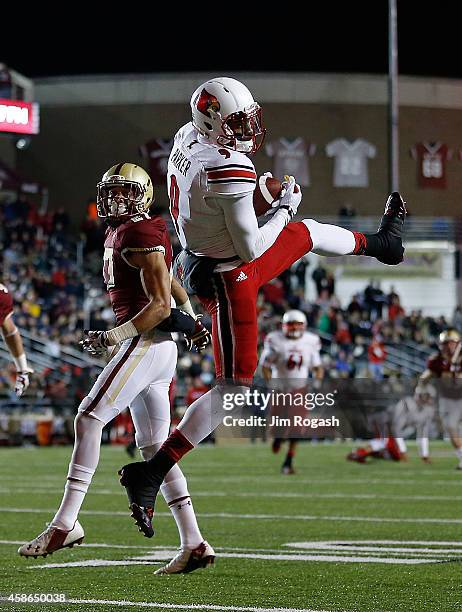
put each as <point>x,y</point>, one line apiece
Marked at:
<point>440,367</point>
<point>123,281</point>
<point>6,303</point>
<point>431,160</point>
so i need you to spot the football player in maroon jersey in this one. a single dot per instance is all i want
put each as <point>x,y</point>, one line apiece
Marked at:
<point>446,366</point>
<point>13,341</point>
<point>137,271</point>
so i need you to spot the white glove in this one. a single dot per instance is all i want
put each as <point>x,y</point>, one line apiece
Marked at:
<point>290,199</point>
<point>22,381</point>
<point>95,342</point>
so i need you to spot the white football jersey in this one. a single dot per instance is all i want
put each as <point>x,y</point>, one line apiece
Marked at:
<point>291,157</point>
<point>408,413</point>
<point>291,358</point>
<point>350,169</point>
<point>197,173</point>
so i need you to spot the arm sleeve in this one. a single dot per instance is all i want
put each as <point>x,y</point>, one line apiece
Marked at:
<point>249,240</point>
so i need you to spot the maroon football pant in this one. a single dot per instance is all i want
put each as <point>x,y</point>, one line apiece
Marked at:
<point>234,307</point>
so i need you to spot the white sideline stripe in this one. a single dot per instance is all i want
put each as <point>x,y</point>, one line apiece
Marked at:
<point>258,478</point>
<point>373,496</point>
<point>415,546</point>
<point>148,560</point>
<point>167,606</point>
<point>352,546</point>
<point>288,517</point>
<point>312,548</point>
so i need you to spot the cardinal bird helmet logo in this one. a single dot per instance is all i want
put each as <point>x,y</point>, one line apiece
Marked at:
<point>207,102</point>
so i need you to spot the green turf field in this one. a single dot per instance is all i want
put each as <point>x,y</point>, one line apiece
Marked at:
<point>335,536</point>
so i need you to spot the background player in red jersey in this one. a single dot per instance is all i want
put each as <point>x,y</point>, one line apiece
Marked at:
<point>137,272</point>
<point>446,366</point>
<point>227,257</point>
<point>13,341</point>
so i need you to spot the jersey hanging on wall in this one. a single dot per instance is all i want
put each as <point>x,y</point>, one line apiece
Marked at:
<point>431,160</point>
<point>291,157</point>
<point>350,167</point>
<point>156,152</point>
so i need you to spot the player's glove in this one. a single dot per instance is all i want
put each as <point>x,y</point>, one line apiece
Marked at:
<point>290,199</point>
<point>200,336</point>
<point>22,381</point>
<point>95,342</point>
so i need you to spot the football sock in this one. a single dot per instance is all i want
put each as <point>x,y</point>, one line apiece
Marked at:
<point>177,496</point>
<point>424,447</point>
<point>330,240</point>
<point>288,459</point>
<point>171,451</point>
<point>401,445</point>
<point>83,464</point>
<point>205,414</point>
<point>175,492</point>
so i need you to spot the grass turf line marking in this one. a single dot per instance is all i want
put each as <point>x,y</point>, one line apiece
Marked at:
<point>151,559</point>
<point>289,517</point>
<point>372,496</point>
<point>167,606</point>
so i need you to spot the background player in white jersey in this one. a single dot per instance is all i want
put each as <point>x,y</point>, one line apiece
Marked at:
<point>415,414</point>
<point>288,357</point>
<point>137,272</point>
<point>227,257</point>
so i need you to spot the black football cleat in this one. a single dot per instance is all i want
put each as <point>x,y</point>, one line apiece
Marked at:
<point>391,230</point>
<point>141,493</point>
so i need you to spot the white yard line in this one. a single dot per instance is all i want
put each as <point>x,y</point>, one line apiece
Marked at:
<point>167,606</point>
<point>277,517</point>
<point>260,494</point>
<point>154,559</point>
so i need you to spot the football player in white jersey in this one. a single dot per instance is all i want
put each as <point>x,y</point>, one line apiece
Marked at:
<point>227,257</point>
<point>288,357</point>
<point>418,413</point>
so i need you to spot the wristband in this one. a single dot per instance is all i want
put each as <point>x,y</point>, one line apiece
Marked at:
<point>187,308</point>
<point>122,332</point>
<point>21,363</point>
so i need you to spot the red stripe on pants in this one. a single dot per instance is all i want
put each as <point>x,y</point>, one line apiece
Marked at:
<point>241,301</point>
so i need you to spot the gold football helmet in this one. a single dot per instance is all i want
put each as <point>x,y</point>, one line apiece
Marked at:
<point>449,335</point>
<point>124,191</point>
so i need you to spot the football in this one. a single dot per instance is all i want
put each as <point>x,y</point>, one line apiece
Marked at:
<point>266,192</point>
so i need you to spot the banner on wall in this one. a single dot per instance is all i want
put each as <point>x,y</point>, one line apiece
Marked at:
<point>19,117</point>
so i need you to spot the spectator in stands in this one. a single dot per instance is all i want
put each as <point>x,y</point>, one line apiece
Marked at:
<point>345,215</point>
<point>457,319</point>
<point>377,355</point>
<point>319,275</point>
<point>395,310</point>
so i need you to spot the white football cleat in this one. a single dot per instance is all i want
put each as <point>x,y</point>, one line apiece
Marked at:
<point>52,539</point>
<point>189,560</point>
